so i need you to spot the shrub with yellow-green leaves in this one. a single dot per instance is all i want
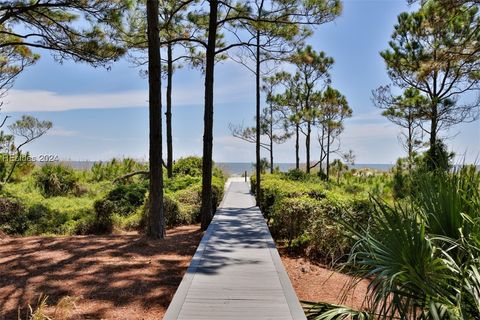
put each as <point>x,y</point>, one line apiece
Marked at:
<point>306,214</point>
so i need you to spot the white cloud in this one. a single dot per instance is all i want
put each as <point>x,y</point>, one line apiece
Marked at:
<point>40,100</point>
<point>60,132</point>
<point>44,100</point>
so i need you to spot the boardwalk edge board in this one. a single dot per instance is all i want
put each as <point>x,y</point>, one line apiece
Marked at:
<point>286,307</point>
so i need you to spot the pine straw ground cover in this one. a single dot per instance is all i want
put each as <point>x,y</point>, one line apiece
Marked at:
<point>111,277</point>
<point>317,283</point>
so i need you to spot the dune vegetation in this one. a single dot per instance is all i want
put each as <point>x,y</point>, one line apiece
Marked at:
<point>55,199</point>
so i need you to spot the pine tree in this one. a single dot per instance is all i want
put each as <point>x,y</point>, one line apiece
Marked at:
<point>408,112</point>
<point>334,110</point>
<point>156,219</point>
<point>436,50</point>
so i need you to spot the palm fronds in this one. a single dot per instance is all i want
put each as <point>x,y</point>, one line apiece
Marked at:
<point>421,257</point>
<point>325,311</point>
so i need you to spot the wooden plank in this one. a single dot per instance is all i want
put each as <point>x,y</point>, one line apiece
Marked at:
<point>236,272</point>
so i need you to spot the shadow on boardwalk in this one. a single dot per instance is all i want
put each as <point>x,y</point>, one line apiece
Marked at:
<point>236,272</point>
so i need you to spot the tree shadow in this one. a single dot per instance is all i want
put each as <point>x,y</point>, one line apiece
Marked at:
<point>114,271</point>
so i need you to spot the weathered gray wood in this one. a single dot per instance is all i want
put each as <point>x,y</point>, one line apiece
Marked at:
<point>236,272</point>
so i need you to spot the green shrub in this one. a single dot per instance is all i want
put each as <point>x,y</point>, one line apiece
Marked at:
<point>189,166</point>
<point>43,220</point>
<point>189,202</point>
<point>181,182</point>
<point>100,221</point>
<point>171,212</point>
<point>218,187</point>
<point>421,258</point>
<point>134,221</point>
<point>327,241</point>
<point>296,175</point>
<point>354,188</point>
<point>13,219</point>
<point>55,180</point>
<point>401,180</point>
<point>104,209</point>
<point>275,187</point>
<point>113,169</point>
<point>291,217</point>
<point>126,198</point>
<point>306,214</point>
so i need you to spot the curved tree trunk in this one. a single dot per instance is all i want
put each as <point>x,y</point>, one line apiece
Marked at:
<point>156,223</point>
<point>207,206</point>
<point>168,113</point>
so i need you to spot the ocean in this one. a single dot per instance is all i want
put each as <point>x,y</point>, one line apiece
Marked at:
<point>238,168</point>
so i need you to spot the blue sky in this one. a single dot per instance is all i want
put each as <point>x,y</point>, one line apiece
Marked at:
<point>99,114</point>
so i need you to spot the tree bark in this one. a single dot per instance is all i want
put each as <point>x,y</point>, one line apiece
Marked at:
<point>410,140</point>
<point>257,109</point>
<point>322,155</point>
<point>297,147</point>
<point>207,206</point>
<point>168,113</point>
<point>328,154</point>
<point>433,125</point>
<point>271,139</point>
<point>156,225</point>
<point>307,145</point>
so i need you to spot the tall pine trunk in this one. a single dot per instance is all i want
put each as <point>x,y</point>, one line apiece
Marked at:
<point>168,113</point>
<point>257,108</point>
<point>307,145</point>
<point>156,222</point>
<point>271,138</point>
<point>433,125</point>
<point>297,146</point>
<point>207,205</point>
<point>322,148</point>
<point>328,153</point>
<point>410,141</point>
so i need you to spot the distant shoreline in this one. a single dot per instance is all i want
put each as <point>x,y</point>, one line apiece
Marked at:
<point>233,167</point>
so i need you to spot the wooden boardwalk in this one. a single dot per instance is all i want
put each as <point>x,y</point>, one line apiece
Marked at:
<point>236,272</point>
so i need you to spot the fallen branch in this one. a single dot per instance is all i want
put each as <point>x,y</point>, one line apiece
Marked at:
<point>135,173</point>
<point>131,174</point>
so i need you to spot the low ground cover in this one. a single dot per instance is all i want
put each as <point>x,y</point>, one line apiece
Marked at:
<point>57,200</point>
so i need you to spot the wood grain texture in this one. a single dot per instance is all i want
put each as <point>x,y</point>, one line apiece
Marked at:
<point>236,272</point>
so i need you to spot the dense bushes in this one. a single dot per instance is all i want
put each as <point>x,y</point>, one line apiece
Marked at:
<point>113,169</point>
<point>182,205</point>
<point>189,166</point>
<point>422,257</point>
<point>291,217</point>
<point>182,197</point>
<point>126,198</point>
<point>55,180</point>
<point>305,211</point>
<point>56,199</point>
<point>18,219</point>
<point>13,219</point>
